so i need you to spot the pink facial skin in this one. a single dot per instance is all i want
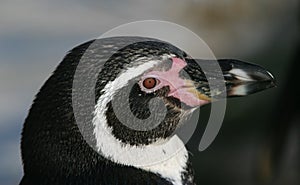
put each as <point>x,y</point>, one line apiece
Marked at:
<point>182,89</point>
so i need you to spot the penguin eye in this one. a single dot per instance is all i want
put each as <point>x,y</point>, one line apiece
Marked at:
<point>150,82</point>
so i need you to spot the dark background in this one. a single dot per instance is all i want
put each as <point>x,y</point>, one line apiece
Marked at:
<point>260,137</point>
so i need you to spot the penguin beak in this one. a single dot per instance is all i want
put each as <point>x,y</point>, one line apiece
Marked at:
<point>240,78</point>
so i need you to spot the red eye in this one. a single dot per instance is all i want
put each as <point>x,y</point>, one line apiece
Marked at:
<point>149,83</point>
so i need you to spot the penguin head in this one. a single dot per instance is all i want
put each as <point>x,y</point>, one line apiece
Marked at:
<point>122,123</point>
<point>144,71</point>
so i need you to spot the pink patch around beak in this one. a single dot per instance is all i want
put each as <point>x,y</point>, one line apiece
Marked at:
<point>182,89</point>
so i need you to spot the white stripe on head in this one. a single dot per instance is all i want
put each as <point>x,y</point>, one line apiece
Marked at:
<point>167,158</point>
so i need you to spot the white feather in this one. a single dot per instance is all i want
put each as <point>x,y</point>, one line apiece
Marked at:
<point>165,157</point>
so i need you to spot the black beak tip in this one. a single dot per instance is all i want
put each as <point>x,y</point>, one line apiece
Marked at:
<point>269,78</point>
<point>273,82</point>
<point>248,78</point>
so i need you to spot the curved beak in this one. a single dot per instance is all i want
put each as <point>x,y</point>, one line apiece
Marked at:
<point>244,78</point>
<point>240,78</point>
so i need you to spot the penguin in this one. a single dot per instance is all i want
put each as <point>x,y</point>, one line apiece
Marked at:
<point>83,140</point>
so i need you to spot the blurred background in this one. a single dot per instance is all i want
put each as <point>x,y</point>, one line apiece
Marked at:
<point>259,142</point>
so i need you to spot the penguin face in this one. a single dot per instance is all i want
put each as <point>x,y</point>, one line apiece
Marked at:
<point>143,77</point>
<point>155,69</point>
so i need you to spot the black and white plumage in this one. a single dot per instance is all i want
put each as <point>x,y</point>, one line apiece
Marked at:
<point>54,150</point>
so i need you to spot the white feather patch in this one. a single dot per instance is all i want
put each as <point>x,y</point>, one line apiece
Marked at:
<point>167,158</point>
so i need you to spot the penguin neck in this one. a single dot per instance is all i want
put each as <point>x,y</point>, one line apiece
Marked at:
<point>168,158</point>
